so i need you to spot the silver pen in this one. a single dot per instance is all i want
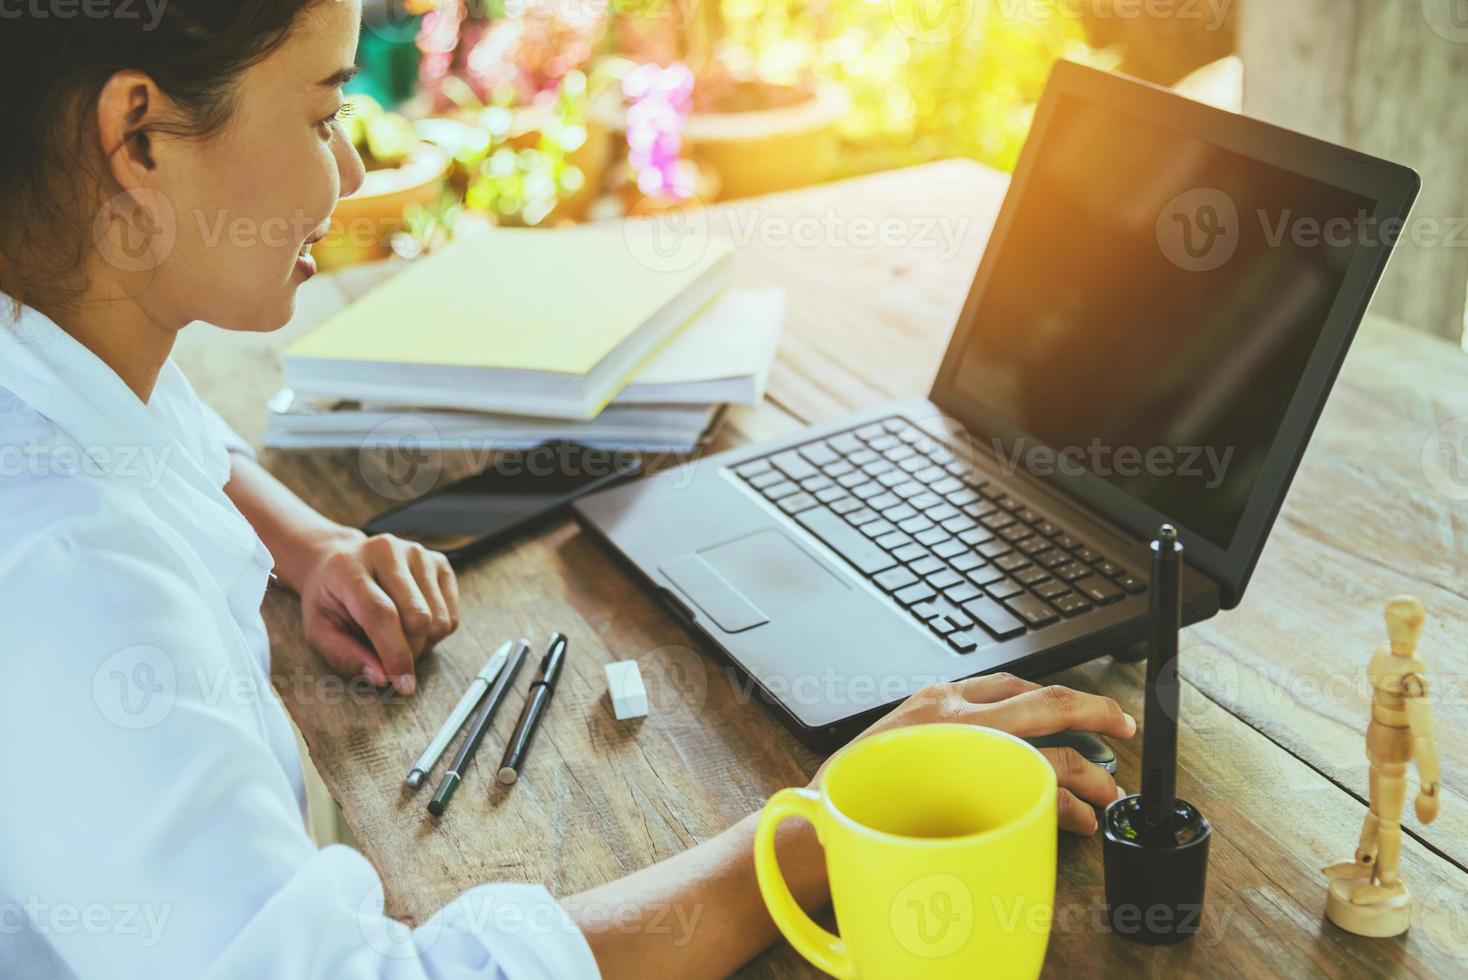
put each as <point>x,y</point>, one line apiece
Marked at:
<point>455,720</point>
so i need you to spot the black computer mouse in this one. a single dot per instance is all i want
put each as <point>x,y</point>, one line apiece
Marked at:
<point>1091,747</point>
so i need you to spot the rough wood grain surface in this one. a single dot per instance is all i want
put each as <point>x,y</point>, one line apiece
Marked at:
<point>1274,708</point>
<point>1384,77</point>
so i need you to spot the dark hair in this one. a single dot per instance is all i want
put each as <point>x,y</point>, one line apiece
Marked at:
<point>54,61</point>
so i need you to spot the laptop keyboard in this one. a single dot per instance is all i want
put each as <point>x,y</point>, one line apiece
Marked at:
<point>961,554</point>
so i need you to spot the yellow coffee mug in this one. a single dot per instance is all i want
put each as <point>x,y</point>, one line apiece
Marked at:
<point>940,847</point>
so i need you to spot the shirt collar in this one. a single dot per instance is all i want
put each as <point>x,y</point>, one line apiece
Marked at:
<point>117,434</point>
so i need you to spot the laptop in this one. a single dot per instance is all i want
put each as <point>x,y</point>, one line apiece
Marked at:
<point>1160,312</point>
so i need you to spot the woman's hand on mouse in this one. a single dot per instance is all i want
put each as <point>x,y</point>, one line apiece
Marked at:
<point>372,605</point>
<point>1024,708</point>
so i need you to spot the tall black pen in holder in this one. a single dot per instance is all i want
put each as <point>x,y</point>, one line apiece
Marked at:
<point>1156,845</point>
<point>1159,743</point>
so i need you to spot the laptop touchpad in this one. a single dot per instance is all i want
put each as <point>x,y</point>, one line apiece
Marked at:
<point>752,580</point>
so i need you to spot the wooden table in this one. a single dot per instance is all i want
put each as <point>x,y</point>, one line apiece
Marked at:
<point>1275,703</point>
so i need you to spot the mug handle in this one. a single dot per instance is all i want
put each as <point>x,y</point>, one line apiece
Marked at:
<point>821,948</point>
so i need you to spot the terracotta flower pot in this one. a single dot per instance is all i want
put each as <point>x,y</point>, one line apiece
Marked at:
<point>768,150</point>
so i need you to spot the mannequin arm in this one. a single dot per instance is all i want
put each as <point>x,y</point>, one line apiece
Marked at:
<point>1424,746</point>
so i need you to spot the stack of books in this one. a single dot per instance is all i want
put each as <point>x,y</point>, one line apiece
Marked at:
<point>513,337</point>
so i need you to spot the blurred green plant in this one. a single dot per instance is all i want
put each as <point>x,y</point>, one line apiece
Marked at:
<point>928,79</point>
<point>521,184</point>
<point>947,86</point>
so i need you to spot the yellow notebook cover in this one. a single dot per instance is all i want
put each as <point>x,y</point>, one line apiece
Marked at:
<point>519,299</point>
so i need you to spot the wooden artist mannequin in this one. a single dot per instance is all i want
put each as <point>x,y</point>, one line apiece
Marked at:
<point>1367,895</point>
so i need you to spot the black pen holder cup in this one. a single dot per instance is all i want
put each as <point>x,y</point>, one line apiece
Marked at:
<point>1154,891</point>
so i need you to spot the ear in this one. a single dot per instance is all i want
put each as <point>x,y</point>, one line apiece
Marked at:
<point>127,106</point>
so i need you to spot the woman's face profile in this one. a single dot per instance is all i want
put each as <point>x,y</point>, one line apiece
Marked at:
<point>231,213</point>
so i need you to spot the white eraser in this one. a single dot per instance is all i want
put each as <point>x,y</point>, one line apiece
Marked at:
<point>624,683</point>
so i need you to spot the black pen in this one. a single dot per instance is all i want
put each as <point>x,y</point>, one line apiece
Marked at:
<point>477,728</point>
<point>1159,736</point>
<point>540,694</point>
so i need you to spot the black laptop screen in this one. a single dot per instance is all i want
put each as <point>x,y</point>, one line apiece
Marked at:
<point>1152,310</point>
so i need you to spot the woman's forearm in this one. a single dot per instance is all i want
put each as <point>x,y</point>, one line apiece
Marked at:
<point>699,913</point>
<point>294,532</point>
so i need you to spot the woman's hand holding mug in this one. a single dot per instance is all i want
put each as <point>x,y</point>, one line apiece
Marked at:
<point>1024,708</point>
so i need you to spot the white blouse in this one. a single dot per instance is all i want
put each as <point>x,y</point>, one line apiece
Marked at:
<point>151,803</point>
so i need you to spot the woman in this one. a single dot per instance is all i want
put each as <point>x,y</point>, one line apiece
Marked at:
<point>170,163</point>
